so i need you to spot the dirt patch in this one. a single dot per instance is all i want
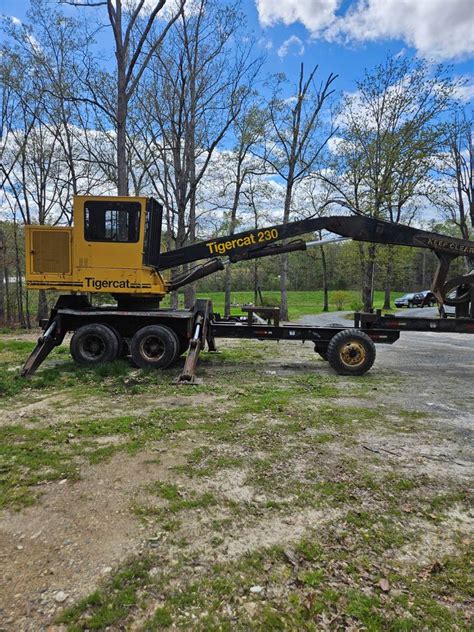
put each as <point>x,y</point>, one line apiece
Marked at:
<point>78,533</point>
<point>444,458</point>
<point>438,540</point>
<point>231,484</point>
<point>38,412</point>
<point>273,531</point>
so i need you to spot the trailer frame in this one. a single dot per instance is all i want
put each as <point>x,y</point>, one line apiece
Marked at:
<point>200,325</point>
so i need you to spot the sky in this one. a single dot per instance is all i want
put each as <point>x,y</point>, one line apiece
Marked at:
<point>346,36</point>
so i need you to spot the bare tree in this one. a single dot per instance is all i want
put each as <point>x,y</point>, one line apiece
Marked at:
<point>136,41</point>
<point>457,172</point>
<point>257,191</point>
<point>318,198</point>
<point>296,138</point>
<point>49,46</point>
<point>197,88</point>
<point>32,158</point>
<point>6,115</point>
<point>248,131</point>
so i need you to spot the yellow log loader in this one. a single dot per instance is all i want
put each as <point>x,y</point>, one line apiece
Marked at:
<point>114,247</point>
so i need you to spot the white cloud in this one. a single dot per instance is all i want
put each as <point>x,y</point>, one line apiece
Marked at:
<point>265,43</point>
<point>292,45</point>
<point>314,14</point>
<point>436,28</point>
<point>442,29</point>
<point>16,21</point>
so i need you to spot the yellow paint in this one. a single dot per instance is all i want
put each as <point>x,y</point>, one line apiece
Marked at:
<point>59,258</point>
<point>259,236</point>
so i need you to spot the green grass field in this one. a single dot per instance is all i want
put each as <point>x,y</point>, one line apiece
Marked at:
<point>300,303</point>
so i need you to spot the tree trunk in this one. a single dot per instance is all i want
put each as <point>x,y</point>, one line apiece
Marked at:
<point>233,222</point>
<point>122,106</point>
<point>189,294</point>
<point>42,305</point>
<point>388,278</point>
<point>8,302</point>
<point>2,278</point>
<point>284,261</point>
<point>255,282</point>
<point>174,300</point>
<point>227,290</point>
<point>325,279</point>
<point>19,283</point>
<point>284,286</point>
<point>26,314</point>
<point>368,270</point>
<point>190,290</point>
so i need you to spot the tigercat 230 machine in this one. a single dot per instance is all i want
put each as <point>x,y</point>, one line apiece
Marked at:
<point>114,246</point>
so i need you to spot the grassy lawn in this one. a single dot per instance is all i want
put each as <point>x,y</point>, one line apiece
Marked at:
<point>300,303</point>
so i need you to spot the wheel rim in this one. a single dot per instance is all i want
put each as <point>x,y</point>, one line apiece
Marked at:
<point>93,347</point>
<point>353,353</point>
<point>152,348</point>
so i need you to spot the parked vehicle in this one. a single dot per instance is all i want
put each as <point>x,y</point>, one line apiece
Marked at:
<point>408,300</point>
<point>426,298</point>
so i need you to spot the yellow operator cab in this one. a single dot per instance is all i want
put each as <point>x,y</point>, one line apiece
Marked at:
<point>113,246</point>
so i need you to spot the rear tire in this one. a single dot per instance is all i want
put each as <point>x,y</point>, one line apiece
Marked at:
<point>155,346</point>
<point>351,352</point>
<point>94,344</point>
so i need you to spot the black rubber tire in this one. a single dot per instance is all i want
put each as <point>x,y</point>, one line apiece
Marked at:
<point>351,352</point>
<point>94,344</point>
<point>155,346</point>
<point>323,353</point>
<point>123,345</point>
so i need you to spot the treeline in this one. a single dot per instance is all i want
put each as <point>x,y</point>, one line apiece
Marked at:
<point>169,105</point>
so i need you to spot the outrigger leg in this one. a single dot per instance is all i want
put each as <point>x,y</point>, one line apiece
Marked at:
<point>201,335</point>
<point>46,343</point>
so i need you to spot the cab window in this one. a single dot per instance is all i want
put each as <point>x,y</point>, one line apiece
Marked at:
<point>112,221</point>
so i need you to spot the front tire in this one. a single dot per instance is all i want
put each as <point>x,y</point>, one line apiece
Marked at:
<point>155,346</point>
<point>94,344</point>
<point>351,352</point>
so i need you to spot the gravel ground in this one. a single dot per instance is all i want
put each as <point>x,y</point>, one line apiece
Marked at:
<point>440,366</point>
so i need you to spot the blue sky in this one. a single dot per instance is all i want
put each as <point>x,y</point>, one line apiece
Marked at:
<point>346,36</point>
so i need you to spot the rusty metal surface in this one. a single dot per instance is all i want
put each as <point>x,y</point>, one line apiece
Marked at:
<point>50,339</point>
<point>197,342</point>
